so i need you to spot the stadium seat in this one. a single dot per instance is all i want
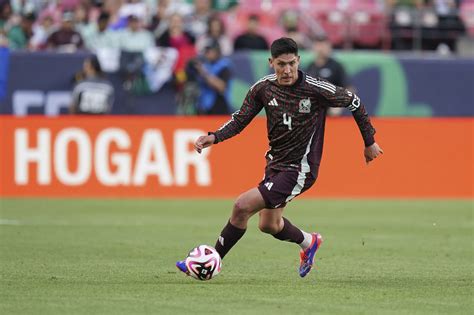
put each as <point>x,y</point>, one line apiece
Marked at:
<point>332,21</point>
<point>368,24</point>
<point>236,20</point>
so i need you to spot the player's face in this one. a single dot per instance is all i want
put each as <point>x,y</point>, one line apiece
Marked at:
<point>322,49</point>
<point>88,69</point>
<point>286,68</point>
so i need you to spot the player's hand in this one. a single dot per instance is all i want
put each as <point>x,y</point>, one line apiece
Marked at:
<point>204,142</point>
<point>371,152</point>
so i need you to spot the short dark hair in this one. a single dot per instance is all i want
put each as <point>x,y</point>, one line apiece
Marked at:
<point>104,16</point>
<point>283,45</point>
<point>212,44</point>
<point>30,17</point>
<point>96,64</point>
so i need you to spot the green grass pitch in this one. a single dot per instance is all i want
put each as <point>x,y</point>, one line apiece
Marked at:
<point>118,256</point>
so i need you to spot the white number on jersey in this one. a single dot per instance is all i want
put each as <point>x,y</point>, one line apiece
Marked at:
<point>93,101</point>
<point>287,121</point>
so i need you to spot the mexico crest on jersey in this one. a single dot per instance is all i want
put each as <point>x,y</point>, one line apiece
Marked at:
<point>305,106</point>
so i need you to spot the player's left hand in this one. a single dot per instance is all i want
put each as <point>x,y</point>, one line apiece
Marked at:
<point>371,152</point>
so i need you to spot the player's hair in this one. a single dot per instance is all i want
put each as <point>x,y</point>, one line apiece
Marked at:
<point>283,45</point>
<point>94,61</point>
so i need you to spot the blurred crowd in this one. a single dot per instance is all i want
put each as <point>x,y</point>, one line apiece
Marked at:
<point>69,25</point>
<point>150,41</point>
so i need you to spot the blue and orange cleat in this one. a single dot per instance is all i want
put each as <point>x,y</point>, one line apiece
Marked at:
<point>181,265</point>
<point>307,256</point>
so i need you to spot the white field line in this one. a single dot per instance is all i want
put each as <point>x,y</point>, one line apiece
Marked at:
<point>9,222</point>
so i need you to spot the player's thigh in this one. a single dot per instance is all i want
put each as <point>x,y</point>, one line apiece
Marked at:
<point>250,201</point>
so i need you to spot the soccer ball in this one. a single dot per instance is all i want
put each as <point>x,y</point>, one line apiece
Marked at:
<point>203,262</point>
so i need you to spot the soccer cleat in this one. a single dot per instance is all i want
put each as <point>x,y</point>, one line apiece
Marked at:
<point>181,265</point>
<point>307,255</point>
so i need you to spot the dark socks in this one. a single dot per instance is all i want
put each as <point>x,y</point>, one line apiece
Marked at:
<point>290,233</point>
<point>230,235</point>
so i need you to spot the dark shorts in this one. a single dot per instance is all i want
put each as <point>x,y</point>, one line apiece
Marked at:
<point>280,187</point>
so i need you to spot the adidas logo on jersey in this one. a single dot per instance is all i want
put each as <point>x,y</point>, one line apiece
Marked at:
<point>273,102</point>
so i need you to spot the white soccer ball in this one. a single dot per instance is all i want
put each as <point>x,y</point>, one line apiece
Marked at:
<point>203,262</point>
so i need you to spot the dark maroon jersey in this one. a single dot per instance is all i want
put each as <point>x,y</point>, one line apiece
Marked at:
<point>295,119</point>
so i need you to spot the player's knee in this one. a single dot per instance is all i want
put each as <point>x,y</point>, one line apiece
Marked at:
<point>242,207</point>
<point>269,227</point>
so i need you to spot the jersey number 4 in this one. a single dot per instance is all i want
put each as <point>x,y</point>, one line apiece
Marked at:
<point>287,121</point>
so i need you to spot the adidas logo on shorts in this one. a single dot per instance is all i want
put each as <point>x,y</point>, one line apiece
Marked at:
<point>269,185</point>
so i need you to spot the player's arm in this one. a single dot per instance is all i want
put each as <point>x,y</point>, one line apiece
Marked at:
<point>341,97</point>
<point>240,119</point>
<point>73,107</point>
<point>372,149</point>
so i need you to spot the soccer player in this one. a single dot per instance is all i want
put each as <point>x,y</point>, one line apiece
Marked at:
<point>296,106</point>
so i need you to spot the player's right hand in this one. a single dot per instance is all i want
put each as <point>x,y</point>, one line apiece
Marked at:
<point>203,142</point>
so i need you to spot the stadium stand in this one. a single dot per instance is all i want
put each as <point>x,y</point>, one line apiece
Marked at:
<point>444,27</point>
<point>350,24</point>
<point>368,25</point>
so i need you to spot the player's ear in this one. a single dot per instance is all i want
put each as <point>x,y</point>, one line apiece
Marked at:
<point>270,62</point>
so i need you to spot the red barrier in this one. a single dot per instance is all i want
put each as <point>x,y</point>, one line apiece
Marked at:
<point>153,157</point>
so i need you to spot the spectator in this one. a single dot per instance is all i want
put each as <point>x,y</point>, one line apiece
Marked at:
<point>113,7</point>
<point>95,8</point>
<point>215,31</point>
<point>135,38</point>
<point>3,40</point>
<point>134,8</point>
<point>66,39</point>
<point>19,35</point>
<point>159,20</point>
<point>93,93</point>
<point>81,17</point>
<point>5,15</point>
<point>134,41</point>
<point>450,26</point>
<point>53,11</point>
<point>175,36</point>
<point>166,8</point>
<point>67,5</point>
<point>41,31</point>
<point>97,35</point>
<point>326,67</point>
<point>213,74</point>
<point>24,7</point>
<point>198,20</point>
<point>251,39</point>
<point>445,7</point>
<point>290,21</point>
